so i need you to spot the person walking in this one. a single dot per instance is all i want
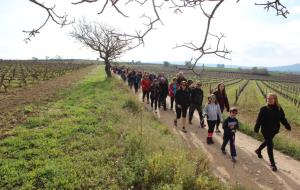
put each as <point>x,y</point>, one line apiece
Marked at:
<point>196,103</point>
<point>222,100</point>
<point>164,91</point>
<point>137,81</point>
<point>154,94</point>
<point>212,111</point>
<point>146,86</point>
<point>172,91</point>
<point>230,125</point>
<point>182,102</point>
<point>268,120</point>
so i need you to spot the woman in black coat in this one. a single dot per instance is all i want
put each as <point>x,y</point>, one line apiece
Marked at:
<point>182,102</point>
<point>269,119</point>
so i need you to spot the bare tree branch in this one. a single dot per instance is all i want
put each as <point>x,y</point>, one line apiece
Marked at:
<point>280,9</point>
<point>60,20</point>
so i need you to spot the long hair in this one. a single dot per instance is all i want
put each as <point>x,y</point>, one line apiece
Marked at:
<point>275,99</point>
<point>224,90</point>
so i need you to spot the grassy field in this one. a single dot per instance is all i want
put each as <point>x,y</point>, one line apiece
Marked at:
<point>98,136</point>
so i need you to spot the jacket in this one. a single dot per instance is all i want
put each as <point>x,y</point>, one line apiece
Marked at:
<point>154,91</point>
<point>269,119</point>
<point>173,87</point>
<point>182,97</point>
<point>196,96</point>
<point>212,111</point>
<point>222,100</point>
<point>229,122</point>
<point>146,85</point>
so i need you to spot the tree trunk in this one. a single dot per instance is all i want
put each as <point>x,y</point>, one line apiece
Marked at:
<point>107,68</point>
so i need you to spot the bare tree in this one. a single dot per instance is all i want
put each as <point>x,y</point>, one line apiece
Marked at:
<point>101,38</point>
<point>178,7</point>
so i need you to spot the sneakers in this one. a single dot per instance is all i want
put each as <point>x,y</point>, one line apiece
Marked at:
<point>184,130</point>
<point>223,151</point>
<point>209,140</point>
<point>218,131</point>
<point>175,122</point>
<point>274,168</point>
<point>258,153</point>
<point>234,159</point>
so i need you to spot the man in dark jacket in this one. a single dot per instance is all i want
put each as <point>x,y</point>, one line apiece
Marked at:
<point>196,103</point>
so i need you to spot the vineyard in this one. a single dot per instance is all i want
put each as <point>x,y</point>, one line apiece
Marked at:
<point>22,73</point>
<point>249,95</point>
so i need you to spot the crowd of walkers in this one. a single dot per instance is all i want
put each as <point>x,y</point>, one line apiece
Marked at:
<point>186,96</point>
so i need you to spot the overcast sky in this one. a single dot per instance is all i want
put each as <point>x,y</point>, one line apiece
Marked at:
<point>256,37</point>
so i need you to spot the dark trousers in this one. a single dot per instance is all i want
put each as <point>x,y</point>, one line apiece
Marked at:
<point>130,84</point>
<point>211,125</point>
<point>162,101</point>
<point>154,101</point>
<point>181,111</point>
<point>194,107</point>
<point>172,101</point>
<point>146,94</point>
<point>269,143</point>
<point>231,138</point>
<point>219,121</point>
<point>136,87</point>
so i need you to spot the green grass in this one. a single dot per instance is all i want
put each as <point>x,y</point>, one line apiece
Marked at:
<point>98,136</point>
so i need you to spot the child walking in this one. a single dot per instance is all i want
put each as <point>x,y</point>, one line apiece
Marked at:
<point>212,111</point>
<point>230,125</point>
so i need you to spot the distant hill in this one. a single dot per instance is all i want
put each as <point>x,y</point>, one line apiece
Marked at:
<point>295,68</point>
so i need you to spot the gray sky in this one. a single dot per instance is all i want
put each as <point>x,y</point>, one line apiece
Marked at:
<point>256,37</point>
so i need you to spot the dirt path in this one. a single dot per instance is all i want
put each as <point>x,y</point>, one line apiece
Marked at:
<point>12,104</point>
<point>248,171</point>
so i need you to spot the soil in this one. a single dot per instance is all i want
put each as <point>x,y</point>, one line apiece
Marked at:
<point>249,171</point>
<point>13,104</point>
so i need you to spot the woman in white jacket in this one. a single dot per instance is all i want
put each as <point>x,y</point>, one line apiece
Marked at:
<point>212,111</point>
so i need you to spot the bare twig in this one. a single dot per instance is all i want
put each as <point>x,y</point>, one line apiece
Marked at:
<point>280,9</point>
<point>60,20</point>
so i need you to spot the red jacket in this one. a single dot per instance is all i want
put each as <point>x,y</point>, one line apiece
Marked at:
<point>171,89</point>
<point>146,85</point>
